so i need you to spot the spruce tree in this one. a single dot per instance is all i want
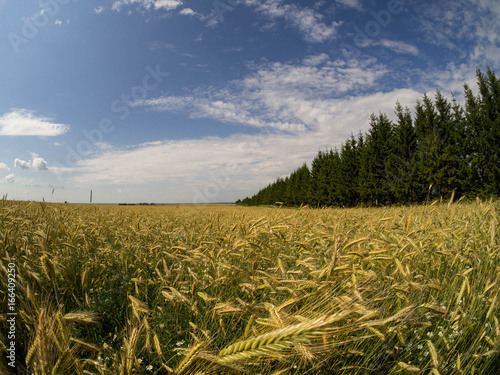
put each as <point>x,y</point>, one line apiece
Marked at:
<point>460,138</point>
<point>475,158</point>
<point>401,160</point>
<point>489,88</point>
<point>425,124</point>
<point>319,180</point>
<point>349,163</point>
<point>444,174</point>
<point>378,147</point>
<point>303,182</point>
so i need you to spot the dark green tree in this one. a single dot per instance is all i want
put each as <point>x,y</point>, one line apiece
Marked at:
<point>348,179</point>
<point>461,142</point>
<point>401,160</point>
<point>379,143</point>
<point>319,180</point>
<point>445,157</point>
<point>475,160</point>
<point>489,89</point>
<point>297,187</point>
<point>425,125</point>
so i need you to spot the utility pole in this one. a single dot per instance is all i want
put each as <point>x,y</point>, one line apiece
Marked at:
<point>90,196</point>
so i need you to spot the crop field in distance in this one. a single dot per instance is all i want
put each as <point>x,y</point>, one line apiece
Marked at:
<point>222,289</point>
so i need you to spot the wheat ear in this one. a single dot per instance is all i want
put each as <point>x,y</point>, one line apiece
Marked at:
<point>274,342</point>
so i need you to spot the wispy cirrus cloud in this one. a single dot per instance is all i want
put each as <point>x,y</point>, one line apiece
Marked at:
<point>467,33</point>
<point>23,122</point>
<point>222,110</point>
<point>148,4</point>
<point>457,26</point>
<point>356,4</point>
<point>211,19</point>
<point>399,47</point>
<point>156,45</point>
<point>306,20</point>
<point>488,32</point>
<point>276,95</point>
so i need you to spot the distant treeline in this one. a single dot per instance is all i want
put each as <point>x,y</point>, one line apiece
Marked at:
<point>136,204</point>
<point>445,147</point>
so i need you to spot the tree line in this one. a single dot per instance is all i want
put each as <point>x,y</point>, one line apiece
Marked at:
<point>444,148</point>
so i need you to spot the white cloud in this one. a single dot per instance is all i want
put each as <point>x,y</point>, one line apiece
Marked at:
<point>470,29</point>
<point>221,110</point>
<point>210,19</point>
<point>187,12</point>
<point>467,33</point>
<point>148,4</point>
<point>99,10</point>
<point>487,46</point>
<point>10,178</point>
<point>36,163</point>
<point>20,122</point>
<point>452,78</point>
<point>18,163</point>
<point>4,167</point>
<point>356,4</point>
<point>156,45</point>
<point>399,47</point>
<point>316,59</point>
<point>167,4</point>
<point>58,22</point>
<point>306,20</point>
<point>39,164</point>
<point>234,49</point>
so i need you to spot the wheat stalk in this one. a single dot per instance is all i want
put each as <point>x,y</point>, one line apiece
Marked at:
<point>275,342</point>
<point>189,358</point>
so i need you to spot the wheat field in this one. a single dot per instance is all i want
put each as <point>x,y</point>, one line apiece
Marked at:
<point>221,289</point>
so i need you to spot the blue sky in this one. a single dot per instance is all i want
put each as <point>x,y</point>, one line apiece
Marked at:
<point>198,101</point>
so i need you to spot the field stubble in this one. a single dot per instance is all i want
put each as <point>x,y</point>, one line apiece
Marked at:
<point>226,289</point>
